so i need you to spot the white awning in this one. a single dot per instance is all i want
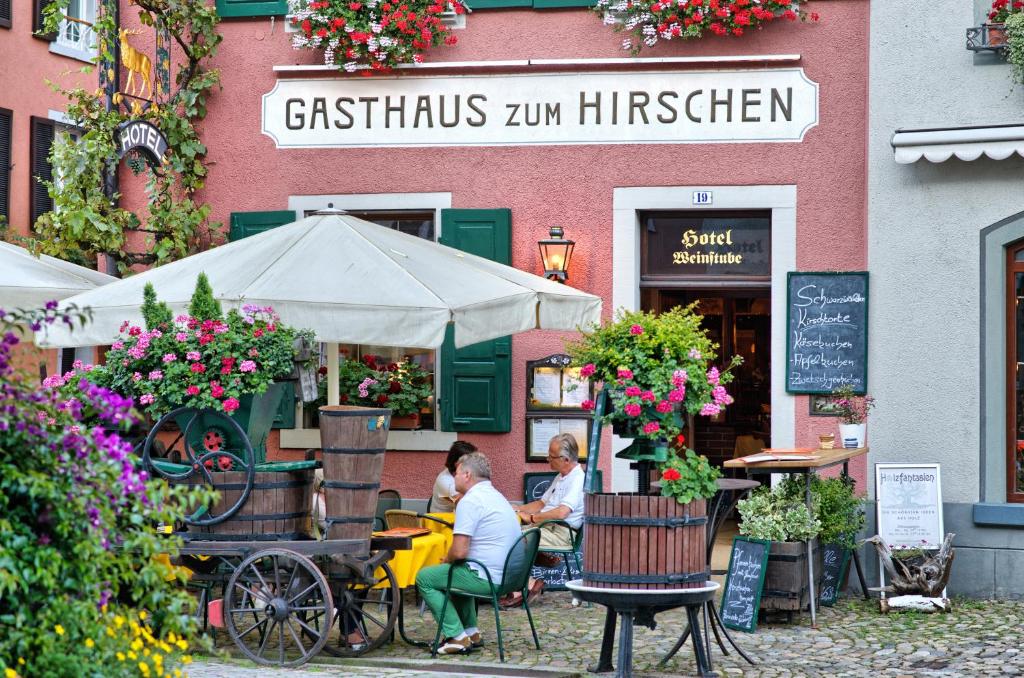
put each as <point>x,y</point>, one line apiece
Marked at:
<point>967,143</point>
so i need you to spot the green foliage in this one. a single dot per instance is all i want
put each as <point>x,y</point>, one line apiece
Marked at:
<point>692,477</point>
<point>204,306</point>
<point>403,387</point>
<point>85,221</point>
<point>206,363</point>
<point>1015,45</point>
<point>775,515</point>
<point>836,506</point>
<point>80,574</point>
<point>156,313</point>
<point>654,365</point>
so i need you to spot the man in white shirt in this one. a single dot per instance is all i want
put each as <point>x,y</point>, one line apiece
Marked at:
<point>563,500</point>
<point>485,529</point>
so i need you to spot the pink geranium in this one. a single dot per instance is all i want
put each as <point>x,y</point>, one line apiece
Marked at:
<point>588,404</point>
<point>663,406</point>
<point>587,370</point>
<point>192,390</point>
<point>625,374</point>
<point>632,409</point>
<point>677,396</point>
<point>648,396</point>
<point>247,366</point>
<point>633,391</point>
<point>636,329</point>
<point>652,427</point>
<point>231,404</point>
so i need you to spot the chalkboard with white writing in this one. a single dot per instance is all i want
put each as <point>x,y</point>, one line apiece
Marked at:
<point>743,583</point>
<point>835,560</point>
<point>826,332</point>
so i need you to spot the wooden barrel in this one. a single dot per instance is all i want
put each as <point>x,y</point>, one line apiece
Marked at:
<point>277,507</point>
<point>353,440</point>
<point>636,541</point>
<point>785,578</point>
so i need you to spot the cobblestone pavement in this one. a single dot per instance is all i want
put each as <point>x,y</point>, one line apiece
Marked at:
<point>979,638</point>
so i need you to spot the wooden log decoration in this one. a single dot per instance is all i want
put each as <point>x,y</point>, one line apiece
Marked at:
<point>923,576</point>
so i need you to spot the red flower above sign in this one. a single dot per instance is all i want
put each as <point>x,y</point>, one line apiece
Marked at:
<point>652,20</point>
<point>372,33</point>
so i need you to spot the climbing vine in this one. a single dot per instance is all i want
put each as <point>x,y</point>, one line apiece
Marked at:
<point>85,221</point>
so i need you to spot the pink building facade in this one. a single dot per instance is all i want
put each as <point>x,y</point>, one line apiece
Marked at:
<point>759,139</point>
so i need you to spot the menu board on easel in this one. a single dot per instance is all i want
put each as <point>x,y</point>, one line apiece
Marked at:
<point>555,393</point>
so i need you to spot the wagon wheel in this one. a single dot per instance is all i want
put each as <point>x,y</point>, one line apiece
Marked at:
<point>278,603</point>
<point>366,613</point>
<point>196,458</point>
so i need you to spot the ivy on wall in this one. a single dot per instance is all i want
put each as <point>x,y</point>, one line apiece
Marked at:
<point>85,222</point>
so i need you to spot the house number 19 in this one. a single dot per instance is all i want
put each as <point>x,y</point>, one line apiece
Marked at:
<point>702,197</point>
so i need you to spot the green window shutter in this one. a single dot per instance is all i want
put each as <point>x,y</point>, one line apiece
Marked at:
<point>554,4</point>
<point>497,4</point>
<point>243,8</point>
<point>476,380</point>
<point>244,224</point>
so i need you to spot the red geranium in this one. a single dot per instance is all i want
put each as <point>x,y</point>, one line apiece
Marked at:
<point>665,20</point>
<point>381,36</point>
<point>671,474</point>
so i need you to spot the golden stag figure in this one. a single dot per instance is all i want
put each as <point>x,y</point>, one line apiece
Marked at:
<point>136,62</point>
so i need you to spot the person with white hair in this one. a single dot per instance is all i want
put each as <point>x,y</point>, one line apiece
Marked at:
<point>563,500</point>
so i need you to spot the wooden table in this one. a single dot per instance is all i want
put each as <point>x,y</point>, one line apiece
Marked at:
<point>825,459</point>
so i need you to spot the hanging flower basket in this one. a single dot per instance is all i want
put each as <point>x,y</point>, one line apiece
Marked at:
<point>652,20</point>
<point>378,35</point>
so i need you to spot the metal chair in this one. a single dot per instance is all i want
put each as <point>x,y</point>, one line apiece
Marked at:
<point>405,518</point>
<point>387,500</point>
<point>515,577</point>
<point>577,542</point>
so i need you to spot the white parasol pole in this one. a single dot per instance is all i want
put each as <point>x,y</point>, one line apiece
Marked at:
<point>333,385</point>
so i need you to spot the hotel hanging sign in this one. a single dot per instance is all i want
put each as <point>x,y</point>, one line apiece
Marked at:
<point>687,107</point>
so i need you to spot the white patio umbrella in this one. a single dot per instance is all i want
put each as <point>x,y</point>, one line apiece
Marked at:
<point>28,281</point>
<point>350,281</point>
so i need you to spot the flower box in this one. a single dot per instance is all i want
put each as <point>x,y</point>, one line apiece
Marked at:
<point>785,579</point>
<point>406,422</point>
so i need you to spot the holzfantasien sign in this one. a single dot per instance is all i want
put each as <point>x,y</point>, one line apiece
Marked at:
<point>737,106</point>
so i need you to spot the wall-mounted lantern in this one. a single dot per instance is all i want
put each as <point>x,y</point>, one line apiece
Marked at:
<point>556,252</point>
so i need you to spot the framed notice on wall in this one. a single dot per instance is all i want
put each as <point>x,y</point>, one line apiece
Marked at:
<point>555,393</point>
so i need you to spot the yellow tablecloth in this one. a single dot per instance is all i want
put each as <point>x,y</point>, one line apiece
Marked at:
<point>426,550</point>
<point>435,526</point>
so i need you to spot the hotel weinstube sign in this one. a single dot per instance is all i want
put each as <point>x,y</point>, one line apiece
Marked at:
<point>685,107</point>
<point>677,244</point>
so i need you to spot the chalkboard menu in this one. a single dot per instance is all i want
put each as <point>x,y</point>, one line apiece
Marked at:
<point>827,332</point>
<point>555,577</point>
<point>835,560</point>
<point>743,583</point>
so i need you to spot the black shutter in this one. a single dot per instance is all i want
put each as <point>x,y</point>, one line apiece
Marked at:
<point>42,139</point>
<point>5,13</point>
<point>5,161</point>
<point>39,20</point>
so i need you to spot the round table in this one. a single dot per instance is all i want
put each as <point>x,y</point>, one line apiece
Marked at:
<point>641,605</point>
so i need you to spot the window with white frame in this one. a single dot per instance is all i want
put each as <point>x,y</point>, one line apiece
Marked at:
<point>75,37</point>
<point>416,214</point>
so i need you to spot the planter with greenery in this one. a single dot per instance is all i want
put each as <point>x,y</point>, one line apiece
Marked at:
<point>370,33</point>
<point>657,369</point>
<point>651,22</point>
<point>852,411</point>
<point>403,387</point>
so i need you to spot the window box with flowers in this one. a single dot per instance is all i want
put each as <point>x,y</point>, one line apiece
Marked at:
<point>358,35</point>
<point>993,35</point>
<point>652,21</point>
<point>404,387</point>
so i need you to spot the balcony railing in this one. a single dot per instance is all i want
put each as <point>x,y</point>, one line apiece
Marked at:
<point>986,38</point>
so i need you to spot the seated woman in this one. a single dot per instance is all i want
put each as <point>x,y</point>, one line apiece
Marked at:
<point>443,500</point>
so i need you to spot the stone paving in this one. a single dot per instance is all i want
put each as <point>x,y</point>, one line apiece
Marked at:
<point>979,638</point>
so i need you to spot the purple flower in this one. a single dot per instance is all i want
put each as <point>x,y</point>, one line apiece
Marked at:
<point>170,357</point>
<point>247,366</point>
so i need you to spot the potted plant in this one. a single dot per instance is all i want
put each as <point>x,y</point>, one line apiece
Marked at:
<point>853,412</point>
<point>403,387</point>
<point>204,360</point>
<point>995,27</point>
<point>371,34</point>
<point>655,368</point>
<point>650,22</point>
<point>776,515</point>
